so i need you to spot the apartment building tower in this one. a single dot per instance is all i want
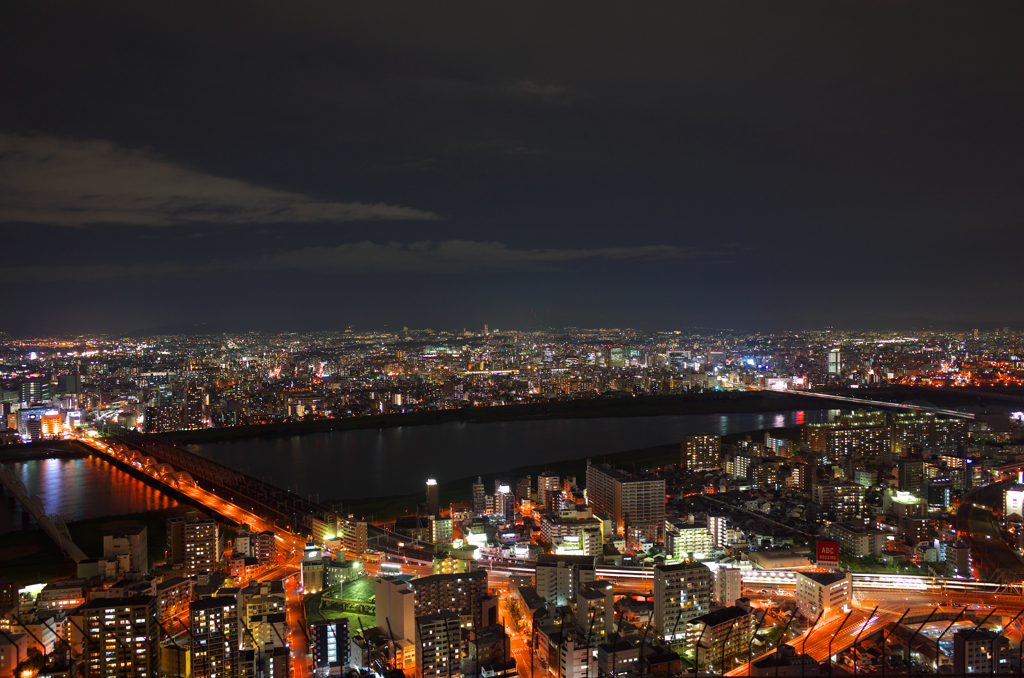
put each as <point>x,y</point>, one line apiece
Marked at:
<point>216,637</point>
<point>701,452</point>
<point>636,503</point>
<point>681,593</point>
<point>122,637</point>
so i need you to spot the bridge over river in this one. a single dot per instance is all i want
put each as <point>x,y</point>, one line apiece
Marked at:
<point>52,523</point>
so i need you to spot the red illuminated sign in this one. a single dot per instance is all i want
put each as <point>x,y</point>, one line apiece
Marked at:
<point>828,554</point>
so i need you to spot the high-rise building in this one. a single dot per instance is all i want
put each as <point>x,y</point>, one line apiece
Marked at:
<point>957,557</point>
<point>440,530</point>
<point>313,569</point>
<point>8,593</point>
<point>684,540</point>
<point>835,361</point>
<point>122,637</point>
<point>548,490</point>
<point>573,532</point>
<point>13,650</point>
<point>921,430</point>
<point>262,607</point>
<point>980,651</point>
<point>577,658</point>
<point>433,497</point>
<point>395,608</point>
<point>70,382</point>
<point>818,592</point>
<point>265,548</point>
<point>717,526</point>
<point>718,637</point>
<point>354,534</point>
<point>842,502</point>
<point>524,488</point>
<point>35,390</point>
<point>193,542</point>
<point>911,476</point>
<point>636,503</point>
<point>479,497</point>
<point>559,578</point>
<point>728,586</point>
<point>681,593</point>
<point>595,610</point>
<point>50,424</point>
<point>854,435</point>
<point>438,645</point>
<point>488,652</point>
<point>328,640</point>
<point>131,542</point>
<point>505,503</point>
<point>461,592</point>
<point>192,414</point>
<point>701,452</point>
<point>215,630</point>
<point>163,417</point>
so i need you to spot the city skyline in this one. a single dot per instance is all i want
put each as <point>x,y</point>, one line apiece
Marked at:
<point>323,166</point>
<point>511,340</point>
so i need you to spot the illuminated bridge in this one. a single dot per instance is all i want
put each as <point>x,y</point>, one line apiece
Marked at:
<point>52,524</point>
<point>268,501</point>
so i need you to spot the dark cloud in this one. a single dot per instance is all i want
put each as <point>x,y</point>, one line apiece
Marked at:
<point>452,257</point>
<point>864,157</point>
<point>49,180</point>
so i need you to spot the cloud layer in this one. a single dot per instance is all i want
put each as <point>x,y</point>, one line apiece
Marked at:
<point>450,256</point>
<point>50,180</point>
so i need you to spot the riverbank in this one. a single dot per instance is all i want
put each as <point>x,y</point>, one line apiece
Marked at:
<point>30,556</point>
<point>716,402</point>
<point>460,490</point>
<point>44,449</point>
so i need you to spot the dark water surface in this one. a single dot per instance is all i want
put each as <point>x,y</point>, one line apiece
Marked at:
<point>77,489</point>
<point>368,463</point>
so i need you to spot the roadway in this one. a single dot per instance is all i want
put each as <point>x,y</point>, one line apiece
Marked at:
<point>289,547</point>
<point>977,523</point>
<point>873,403</point>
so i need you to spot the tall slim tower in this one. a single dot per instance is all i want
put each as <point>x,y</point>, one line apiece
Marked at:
<point>433,497</point>
<point>479,497</point>
<point>835,361</point>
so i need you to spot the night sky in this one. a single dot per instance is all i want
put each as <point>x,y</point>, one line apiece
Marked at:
<point>293,166</point>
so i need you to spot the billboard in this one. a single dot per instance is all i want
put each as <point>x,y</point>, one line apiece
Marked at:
<point>1014,502</point>
<point>828,554</point>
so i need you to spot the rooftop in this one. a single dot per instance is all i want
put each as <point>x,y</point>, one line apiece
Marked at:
<point>823,578</point>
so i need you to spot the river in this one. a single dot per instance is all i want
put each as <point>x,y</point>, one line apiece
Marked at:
<point>369,463</point>
<point>77,489</point>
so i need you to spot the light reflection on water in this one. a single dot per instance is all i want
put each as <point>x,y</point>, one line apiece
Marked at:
<point>78,489</point>
<point>368,463</point>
